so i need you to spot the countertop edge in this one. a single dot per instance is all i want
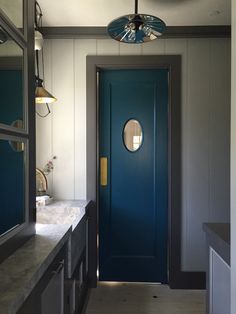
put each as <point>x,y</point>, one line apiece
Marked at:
<point>218,237</point>
<point>16,301</point>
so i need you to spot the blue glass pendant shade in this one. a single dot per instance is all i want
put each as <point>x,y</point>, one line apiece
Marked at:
<point>136,28</point>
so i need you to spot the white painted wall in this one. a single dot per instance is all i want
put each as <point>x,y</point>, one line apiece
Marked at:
<point>10,49</point>
<point>205,126</point>
<point>233,162</point>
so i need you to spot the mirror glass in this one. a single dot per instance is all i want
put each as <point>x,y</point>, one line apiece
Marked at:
<point>11,80</point>
<point>132,135</point>
<point>14,11</point>
<point>12,169</point>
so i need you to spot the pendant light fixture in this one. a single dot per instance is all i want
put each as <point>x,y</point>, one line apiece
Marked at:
<point>136,28</point>
<point>42,96</point>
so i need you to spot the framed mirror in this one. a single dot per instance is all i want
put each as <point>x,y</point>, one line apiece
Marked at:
<point>13,9</point>
<point>12,185</point>
<point>17,124</point>
<point>11,81</point>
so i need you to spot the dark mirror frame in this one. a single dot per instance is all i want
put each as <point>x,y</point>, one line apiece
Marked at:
<point>21,31</point>
<point>15,63</point>
<point>15,238</point>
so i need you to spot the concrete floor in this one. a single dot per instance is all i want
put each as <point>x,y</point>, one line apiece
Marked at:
<point>128,298</point>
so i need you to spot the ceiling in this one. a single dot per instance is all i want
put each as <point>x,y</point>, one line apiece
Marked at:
<point>101,12</point>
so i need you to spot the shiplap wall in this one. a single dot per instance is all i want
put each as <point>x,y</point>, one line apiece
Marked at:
<point>205,126</point>
<point>233,162</point>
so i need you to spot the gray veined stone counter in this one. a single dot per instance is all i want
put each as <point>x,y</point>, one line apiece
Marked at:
<point>62,212</point>
<point>72,212</point>
<point>20,272</point>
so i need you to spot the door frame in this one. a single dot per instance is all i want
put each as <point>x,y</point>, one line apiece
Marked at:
<point>177,278</point>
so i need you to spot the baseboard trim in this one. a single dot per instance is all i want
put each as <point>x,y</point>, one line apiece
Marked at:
<point>188,280</point>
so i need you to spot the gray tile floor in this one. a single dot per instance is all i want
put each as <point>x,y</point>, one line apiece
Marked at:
<point>128,298</point>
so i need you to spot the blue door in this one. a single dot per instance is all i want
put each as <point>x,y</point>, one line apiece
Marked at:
<point>133,187</point>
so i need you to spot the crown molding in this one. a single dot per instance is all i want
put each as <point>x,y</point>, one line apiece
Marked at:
<point>216,31</point>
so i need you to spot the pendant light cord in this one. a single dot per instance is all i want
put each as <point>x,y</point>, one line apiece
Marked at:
<point>44,116</point>
<point>38,25</point>
<point>42,63</point>
<point>38,15</point>
<point>136,7</point>
<point>37,63</point>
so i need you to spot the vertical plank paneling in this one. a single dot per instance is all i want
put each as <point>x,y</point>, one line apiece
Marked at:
<point>179,47</point>
<point>107,47</point>
<point>155,47</point>
<point>44,125</point>
<point>83,47</point>
<point>233,161</point>
<point>63,118</point>
<point>198,192</point>
<point>130,49</point>
<point>220,130</point>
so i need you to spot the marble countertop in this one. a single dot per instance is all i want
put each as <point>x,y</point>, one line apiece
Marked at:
<point>218,237</point>
<point>62,212</point>
<point>21,271</point>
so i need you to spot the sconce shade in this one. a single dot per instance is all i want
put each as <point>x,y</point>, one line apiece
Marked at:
<point>42,96</point>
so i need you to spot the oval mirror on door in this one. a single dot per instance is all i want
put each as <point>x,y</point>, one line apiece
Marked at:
<point>132,135</point>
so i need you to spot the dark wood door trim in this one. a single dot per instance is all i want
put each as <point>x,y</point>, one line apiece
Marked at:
<point>177,278</point>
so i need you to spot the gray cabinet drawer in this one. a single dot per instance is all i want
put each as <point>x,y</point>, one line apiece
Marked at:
<point>52,298</point>
<point>78,242</point>
<point>219,285</point>
<point>51,284</point>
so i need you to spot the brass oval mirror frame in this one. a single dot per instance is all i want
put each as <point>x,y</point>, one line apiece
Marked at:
<point>132,135</point>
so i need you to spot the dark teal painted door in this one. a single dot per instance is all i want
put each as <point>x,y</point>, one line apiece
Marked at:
<point>133,204</point>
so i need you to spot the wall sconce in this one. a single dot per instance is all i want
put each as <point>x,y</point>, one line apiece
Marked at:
<point>42,96</point>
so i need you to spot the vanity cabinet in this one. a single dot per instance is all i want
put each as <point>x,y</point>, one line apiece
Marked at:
<point>52,298</point>
<point>77,284</point>
<point>48,295</point>
<point>219,284</point>
<point>82,263</point>
<point>218,272</point>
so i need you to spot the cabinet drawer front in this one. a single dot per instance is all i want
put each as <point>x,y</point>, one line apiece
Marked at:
<point>219,287</point>
<point>78,243</point>
<point>52,299</point>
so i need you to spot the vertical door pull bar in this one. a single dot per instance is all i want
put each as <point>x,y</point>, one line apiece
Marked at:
<point>103,171</point>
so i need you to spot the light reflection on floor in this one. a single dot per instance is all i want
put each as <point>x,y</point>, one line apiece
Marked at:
<point>130,298</point>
